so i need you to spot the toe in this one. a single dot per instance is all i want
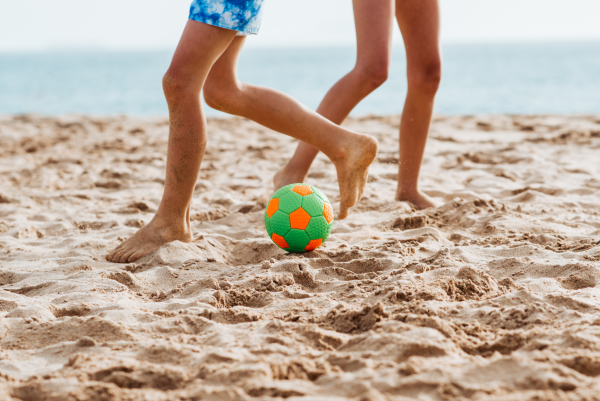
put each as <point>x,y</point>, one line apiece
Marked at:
<point>111,255</point>
<point>361,190</point>
<point>116,255</point>
<point>127,255</point>
<point>345,204</point>
<point>135,256</point>
<point>122,258</point>
<point>343,213</point>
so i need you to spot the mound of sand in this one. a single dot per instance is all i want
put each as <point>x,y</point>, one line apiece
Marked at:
<point>491,296</point>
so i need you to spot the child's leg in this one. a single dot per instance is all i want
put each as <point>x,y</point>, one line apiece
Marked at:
<point>374,24</point>
<point>419,23</point>
<point>351,153</point>
<point>199,47</point>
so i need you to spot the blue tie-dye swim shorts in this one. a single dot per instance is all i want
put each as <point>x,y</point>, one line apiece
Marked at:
<point>243,16</point>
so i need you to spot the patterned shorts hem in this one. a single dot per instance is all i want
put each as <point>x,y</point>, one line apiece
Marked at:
<point>245,32</point>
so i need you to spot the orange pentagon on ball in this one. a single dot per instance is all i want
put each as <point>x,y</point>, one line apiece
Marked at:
<point>299,219</point>
<point>273,207</point>
<point>328,213</point>
<point>314,244</point>
<point>279,240</point>
<point>302,190</point>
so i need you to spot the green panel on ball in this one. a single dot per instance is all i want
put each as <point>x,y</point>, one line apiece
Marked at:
<point>320,194</point>
<point>268,225</point>
<point>329,227</point>
<point>280,223</point>
<point>297,240</point>
<point>282,191</point>
<point>313,205</point>
<point>290,202</point>
<point>317,228</point>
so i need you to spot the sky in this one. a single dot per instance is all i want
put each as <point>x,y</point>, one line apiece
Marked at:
<point>40,25</point>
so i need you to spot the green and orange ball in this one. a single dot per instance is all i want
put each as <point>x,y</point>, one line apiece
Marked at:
<point>299,218</point>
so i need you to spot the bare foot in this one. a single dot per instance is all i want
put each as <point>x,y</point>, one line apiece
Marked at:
<point>417,198</point>
<point>147,240</point>
<point>286,177</point>
<point>353,168</point>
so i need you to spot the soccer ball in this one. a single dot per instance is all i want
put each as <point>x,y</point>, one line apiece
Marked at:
<point>299,218</point>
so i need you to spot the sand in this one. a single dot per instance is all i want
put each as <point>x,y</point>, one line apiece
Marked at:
<point>491,296</point>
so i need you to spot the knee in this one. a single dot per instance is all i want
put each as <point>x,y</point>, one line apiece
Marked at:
<point>221,95</point>
<point>426,78</point>
<point>175,85</point>
<point>373,75</point>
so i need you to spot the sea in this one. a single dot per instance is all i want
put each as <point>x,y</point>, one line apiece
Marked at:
<point>534,78</point>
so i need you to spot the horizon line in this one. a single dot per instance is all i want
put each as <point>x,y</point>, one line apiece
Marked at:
<point>92,48</point>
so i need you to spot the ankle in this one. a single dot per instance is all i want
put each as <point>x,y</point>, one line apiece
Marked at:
<point>171,221</point>
<point>354,145</point>
<point>339,153</point>
<point>407,192</point>
<point>294,172</point>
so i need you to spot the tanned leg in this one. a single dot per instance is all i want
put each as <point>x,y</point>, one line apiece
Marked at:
<point>200,46</point>
<point>374,24</point>
<point>350,152</point>
<point>419,23</point>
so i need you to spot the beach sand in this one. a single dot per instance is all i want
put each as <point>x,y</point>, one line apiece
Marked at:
<point>491,296</point>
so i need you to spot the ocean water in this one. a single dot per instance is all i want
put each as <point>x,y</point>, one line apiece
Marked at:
<point>477,78</point>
